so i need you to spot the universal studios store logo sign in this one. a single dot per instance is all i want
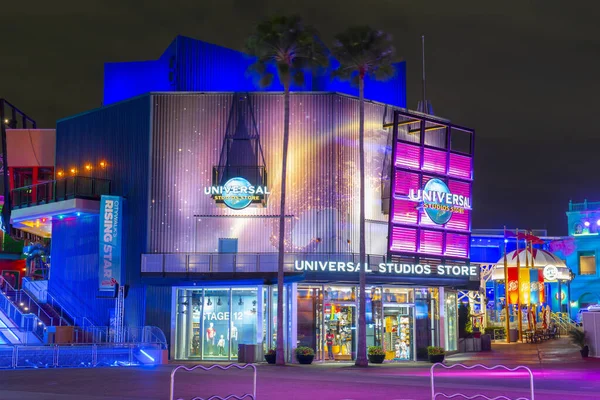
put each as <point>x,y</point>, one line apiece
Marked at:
<point>438,202</point>
<point>238,193</point>
<point>454,271</point>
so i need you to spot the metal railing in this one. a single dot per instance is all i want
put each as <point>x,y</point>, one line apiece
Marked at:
<point>563,321</point>
<point>435,394</point>
<point>61,189</point>
<point>202,263</point>
<point>223,368</point>
<point>27,305</point>
<point>87,355</point>
<point>131,335</point>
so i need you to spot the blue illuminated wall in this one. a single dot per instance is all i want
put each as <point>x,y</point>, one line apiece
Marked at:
<point>190,65</point>
<point>585,241</point>
<point>120,136</point>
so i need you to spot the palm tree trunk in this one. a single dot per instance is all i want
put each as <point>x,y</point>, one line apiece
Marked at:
<point>361,356</point>
<point>280,358</point>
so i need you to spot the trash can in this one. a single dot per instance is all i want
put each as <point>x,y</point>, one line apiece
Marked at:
<point>486,342</point>
<point>513,335</point>
<point>242,353</point>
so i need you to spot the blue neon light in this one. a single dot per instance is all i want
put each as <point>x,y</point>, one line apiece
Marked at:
<point>147,355</point>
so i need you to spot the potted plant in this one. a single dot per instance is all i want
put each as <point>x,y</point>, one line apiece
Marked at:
<point>271,356</point>
<point>376,354</point>
<point>305,355</point>
<point>436,354</point>
<point>578,338</point>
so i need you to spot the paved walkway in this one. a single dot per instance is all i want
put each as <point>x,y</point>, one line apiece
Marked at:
<point>548,352</point>
<point>559,372</point>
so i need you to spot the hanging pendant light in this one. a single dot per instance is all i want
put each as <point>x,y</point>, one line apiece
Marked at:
<point>219,301</point>
<point>209,303</point>
<point>241,302</point>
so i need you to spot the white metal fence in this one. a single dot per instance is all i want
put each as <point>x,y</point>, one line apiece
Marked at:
<point>435,394</point>
<point>220,367</point>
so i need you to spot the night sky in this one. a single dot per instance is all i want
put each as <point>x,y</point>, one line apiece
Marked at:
<point>524,77</point>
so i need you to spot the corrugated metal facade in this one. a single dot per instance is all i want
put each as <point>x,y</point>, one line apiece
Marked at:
<point>188,133</point>
<point>120,136</point>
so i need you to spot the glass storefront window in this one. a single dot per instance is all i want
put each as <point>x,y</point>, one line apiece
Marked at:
<point>451,325</point>
<point>397,295</point>
<point>215,331</point>
<point>210,323</point>
<point>244,313</point>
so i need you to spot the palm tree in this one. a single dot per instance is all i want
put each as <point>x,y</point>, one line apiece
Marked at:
<point>293,49</point>
<point>362,52</point>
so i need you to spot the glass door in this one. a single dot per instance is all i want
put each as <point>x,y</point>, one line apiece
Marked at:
<point>398,337</point>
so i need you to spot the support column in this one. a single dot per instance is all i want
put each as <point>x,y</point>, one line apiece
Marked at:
<point>442,306</point>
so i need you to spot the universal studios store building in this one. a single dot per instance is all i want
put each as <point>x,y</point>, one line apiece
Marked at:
<point>418,205</point>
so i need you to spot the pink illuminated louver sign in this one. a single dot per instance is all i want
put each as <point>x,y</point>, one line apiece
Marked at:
<point>460,166</point>
<point>431,179</point>
<point>408,156</point>
<point>434,161</point>
<point>457,245</point>
<point>404,239</point>
<point>431,242</point>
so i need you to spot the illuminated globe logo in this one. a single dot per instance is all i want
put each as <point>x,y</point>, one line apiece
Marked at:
<point>234,196</point>
<point>439,212</point>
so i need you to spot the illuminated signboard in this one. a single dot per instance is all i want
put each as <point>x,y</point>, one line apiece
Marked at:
<point>438,202</point>
<point>387,268</point>
<point>237,193</point>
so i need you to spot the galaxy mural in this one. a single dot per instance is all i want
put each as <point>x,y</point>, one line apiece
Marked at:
<point>195,135</point>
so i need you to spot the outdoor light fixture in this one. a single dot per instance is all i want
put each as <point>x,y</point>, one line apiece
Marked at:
<point>254,302</point>
<point>88,167</point>
<point>102,164</point>
<point>587,223</point>
<point>241,302</point>
<point>209,303</point>
<point>60,173</point>
<point>598,222</point>
<point>78,214</point>
<point>73,170</point>
<point>219,301</point>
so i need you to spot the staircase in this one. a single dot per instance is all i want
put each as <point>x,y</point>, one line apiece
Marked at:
<point>564,323</point>
<point>28,305</point>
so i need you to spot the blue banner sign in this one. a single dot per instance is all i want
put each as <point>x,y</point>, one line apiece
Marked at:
<point>111,228</point>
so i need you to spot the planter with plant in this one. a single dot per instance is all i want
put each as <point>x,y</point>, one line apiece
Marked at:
<point>578,338</point>
<point>271,356</point>
<point>436,354</point>
<point>376,354</point>
<point>305,355</point>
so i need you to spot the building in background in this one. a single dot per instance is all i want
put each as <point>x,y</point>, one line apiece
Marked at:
<point>175,197</point>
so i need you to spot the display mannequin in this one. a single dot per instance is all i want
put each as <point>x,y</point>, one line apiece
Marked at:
<point>221,345</point>
<point>234,340</point>
<point>211,333</point>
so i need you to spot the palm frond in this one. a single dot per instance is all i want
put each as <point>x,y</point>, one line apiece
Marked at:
<point>284,41</point>
<point>364,51</point>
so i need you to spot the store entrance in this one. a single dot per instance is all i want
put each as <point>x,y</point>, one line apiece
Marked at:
<point>398,343</point>
<point>339,323</point>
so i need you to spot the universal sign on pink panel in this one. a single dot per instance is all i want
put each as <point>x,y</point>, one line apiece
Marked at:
<point>408,156</point>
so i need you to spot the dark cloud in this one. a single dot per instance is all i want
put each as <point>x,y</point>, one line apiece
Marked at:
<point>523,74</point>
